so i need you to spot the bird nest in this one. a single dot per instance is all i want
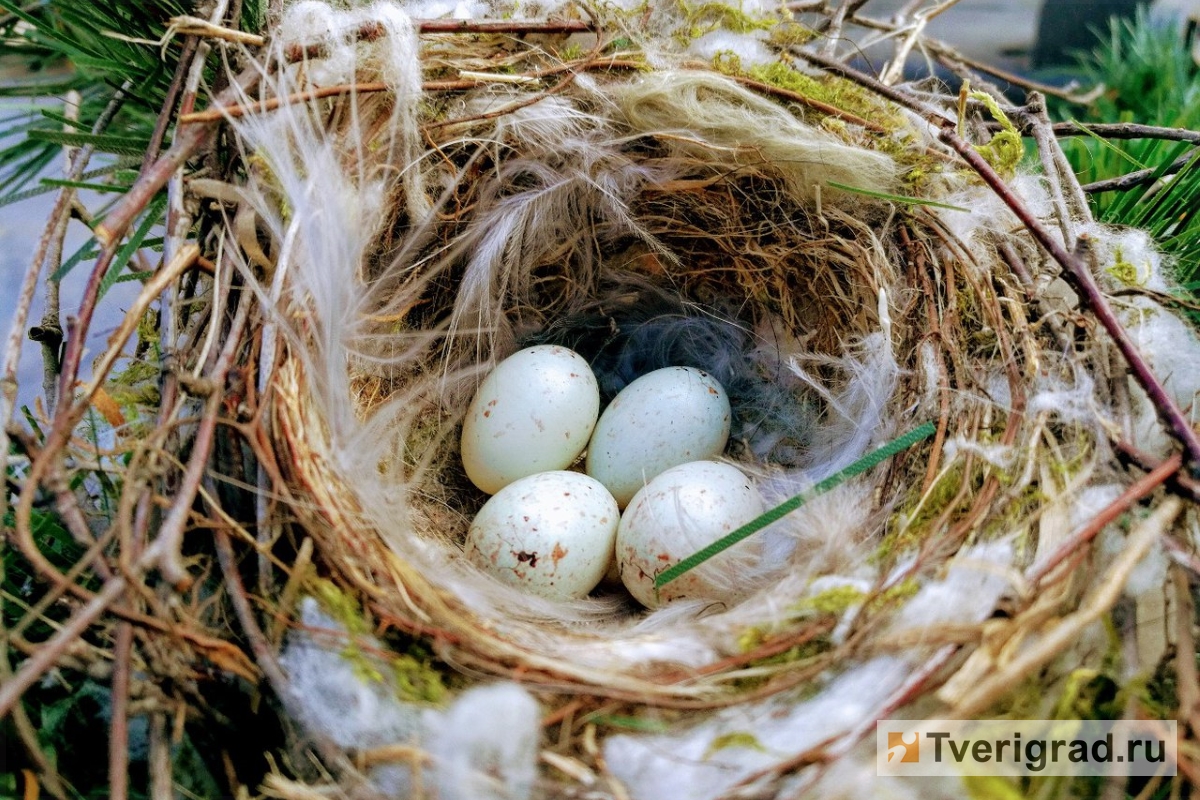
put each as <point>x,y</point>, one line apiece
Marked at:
<point>930,340</point>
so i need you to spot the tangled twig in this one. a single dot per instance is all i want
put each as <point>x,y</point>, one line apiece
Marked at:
<point>1076,270</point>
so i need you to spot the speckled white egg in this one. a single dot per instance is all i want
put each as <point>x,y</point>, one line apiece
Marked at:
<point>533,413</point>
<point>667,417</point>
<point>683,510</point>
<point>551,534</point>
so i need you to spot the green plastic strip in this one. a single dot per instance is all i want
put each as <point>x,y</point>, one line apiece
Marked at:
<point>788,506</point>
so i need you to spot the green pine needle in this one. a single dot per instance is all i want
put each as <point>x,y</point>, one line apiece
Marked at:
<point>788,506</point>
<point>1150,79</point>
<point>895,198</point>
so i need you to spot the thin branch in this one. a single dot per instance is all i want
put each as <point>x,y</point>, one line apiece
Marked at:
<point>166,547</point>
<point>188,141</point>
<point>1185,651</point>
<point>161,784</point>
<point>163,552</point>
<point>16,334</point>
<point>1066,633</point>
<point>1142,488</point>
<point>216,113</point>
<point>1126,130</point>
<point>1188,488</point>
<point>1039,123</point>
<point>831,26</point>
<point>164,117</point>
<point>951,58</point>
<point>118,736</point>
<point>27,733</point>
<point>1078,275</point>
<point>49,331</point>
<point>1076,271</point>
<point>933,115</point>
<point>797,97</point>
<point>1054,163</point>
<point>265,657</point>
<point>47,655</point>
<point>1141,177</point>
<point>894,70</point>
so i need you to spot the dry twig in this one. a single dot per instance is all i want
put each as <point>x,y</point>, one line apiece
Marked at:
<point>1076,271</point>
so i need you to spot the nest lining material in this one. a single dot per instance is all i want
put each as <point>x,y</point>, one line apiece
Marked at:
<point>414,240</point>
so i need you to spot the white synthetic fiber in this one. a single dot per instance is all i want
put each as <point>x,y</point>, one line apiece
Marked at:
<point>1126,258</point>
<point>686,763</point>
<point>315,23</point>
<point>1172,349</point>
<point>856,777</point>
<point>1087,504</point>
<point>1071,400</point>
<point>440,9</point>
<point>748,48</point>
<point>1150,574</point>
<point>485,746</point>
<point>335,701</point>
<point>711,117</point>
<point>976,580</point>
<point>981,215</point>
<point>1131,248</point>
<point>335,200</point>
<point>998,455</point>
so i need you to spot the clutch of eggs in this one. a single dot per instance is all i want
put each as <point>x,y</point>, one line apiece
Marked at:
<point>554,533</point>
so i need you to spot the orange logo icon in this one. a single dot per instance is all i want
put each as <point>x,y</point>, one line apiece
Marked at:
<point>903,748</point>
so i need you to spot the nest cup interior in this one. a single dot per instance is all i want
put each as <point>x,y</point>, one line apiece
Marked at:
<point>673,218</point>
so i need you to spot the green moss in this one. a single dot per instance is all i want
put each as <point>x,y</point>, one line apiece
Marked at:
<point>853,99</point>
<point>832,601</point>
<point>752,638</point>
<point>1126,271</point>
<point>908,526</point>
<point>894,594</point>
<point>991,787</point>
<point>1006,148</point>
<point>418,680</point>
<point>785,77</point>
<point>1089,694</point>
<point>1158,693</point>
<point>710,16</point>
<point>790,34</point>
<point>340,605</point>
<point>727,62</point>
<point>135,388</point>
<point>739,739</point>
<point>838,599</point>
<point>755,637</point>
<point>414,675</point>
<point>571,52</point>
